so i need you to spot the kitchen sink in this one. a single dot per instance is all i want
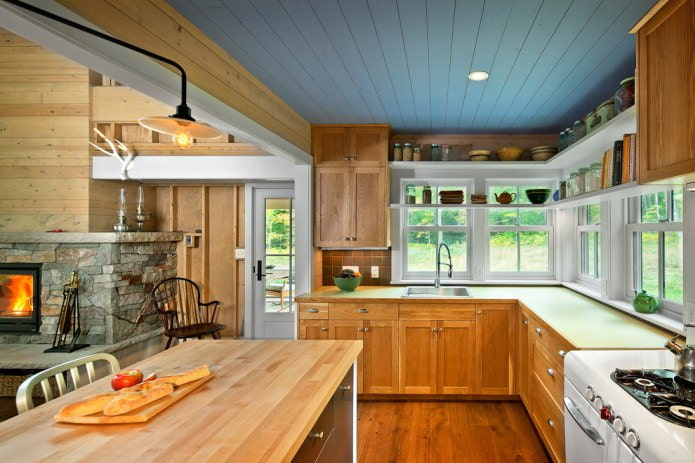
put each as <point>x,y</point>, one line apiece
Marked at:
<point>442,291</point>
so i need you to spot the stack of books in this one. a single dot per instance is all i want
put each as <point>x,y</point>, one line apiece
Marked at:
<point>451,197</point>
<point>620,162</point>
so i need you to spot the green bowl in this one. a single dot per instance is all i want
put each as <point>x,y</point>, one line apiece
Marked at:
<point>347,284</point>
<point>538,195</point>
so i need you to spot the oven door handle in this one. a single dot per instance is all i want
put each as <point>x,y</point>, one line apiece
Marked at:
<point>582,422</point>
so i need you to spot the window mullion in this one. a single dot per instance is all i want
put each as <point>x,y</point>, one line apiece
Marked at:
<point>662,265</point>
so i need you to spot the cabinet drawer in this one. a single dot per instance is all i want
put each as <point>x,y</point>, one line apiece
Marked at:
<point>549,374</point>
<point>313,310</point>
<point>369,311</point>
<point>549,340</point>
<point>317,438</point>
<point>549,421</point>
<point>436,311</point>
<point>313,329</point>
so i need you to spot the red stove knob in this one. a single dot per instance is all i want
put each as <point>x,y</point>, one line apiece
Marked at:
<point>606,413</point>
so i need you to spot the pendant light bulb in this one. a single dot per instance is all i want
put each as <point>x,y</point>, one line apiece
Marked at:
<point>182,138</point>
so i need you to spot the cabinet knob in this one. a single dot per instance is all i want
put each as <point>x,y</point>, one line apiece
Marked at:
<point>479,312</point>
<point>551,423</point>
<point>365,329</point>
<point>347,387</point>
<point>441,329</point>
<point>551,372</point>
<point>539,331</point>
<point>347,158</point>
<point>434,330</point>
<point>359,330</point>
<point>313,310</point>
<point>316,435</point>
<point>347,238</point>
<point>525,322</point>
<point>324,329</point>
<point>363,310</point>
<point>561,353</point>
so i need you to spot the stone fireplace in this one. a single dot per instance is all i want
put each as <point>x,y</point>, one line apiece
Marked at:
<point>116,270</point>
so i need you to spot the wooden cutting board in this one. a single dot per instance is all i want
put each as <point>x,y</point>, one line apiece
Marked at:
<point>139,415</point>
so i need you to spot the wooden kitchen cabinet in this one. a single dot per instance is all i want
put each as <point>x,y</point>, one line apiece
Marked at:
<point>436,356</point>
<point>351,207</point>
<point>523,374</point>
<point>313,329</point>
<point>665,93</point>
<point>496,343</point>
<point>350,145</point>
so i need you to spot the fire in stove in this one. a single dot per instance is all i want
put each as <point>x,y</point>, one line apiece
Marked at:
<point>16,295</point>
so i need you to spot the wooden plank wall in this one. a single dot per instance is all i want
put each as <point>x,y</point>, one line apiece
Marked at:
<point>215,214</point>
<point>44,127</point>
<point>156,26</point>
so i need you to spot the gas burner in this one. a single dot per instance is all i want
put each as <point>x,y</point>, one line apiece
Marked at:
<point>682,412</point>
<point>644,384</point>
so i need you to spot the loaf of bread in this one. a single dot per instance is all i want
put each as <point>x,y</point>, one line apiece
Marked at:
<point>185,377</point>
<point>89,405</point>
<point>128,401</point>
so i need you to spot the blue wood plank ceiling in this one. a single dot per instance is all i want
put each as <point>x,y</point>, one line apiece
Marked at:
<point>405,62</point>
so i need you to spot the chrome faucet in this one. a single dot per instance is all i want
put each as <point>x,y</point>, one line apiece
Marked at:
<point>439,264</point>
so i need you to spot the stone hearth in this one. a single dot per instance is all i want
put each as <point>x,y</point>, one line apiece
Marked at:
<point>116,270</point>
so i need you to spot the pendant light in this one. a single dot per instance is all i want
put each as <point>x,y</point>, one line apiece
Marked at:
<point>180,125</point>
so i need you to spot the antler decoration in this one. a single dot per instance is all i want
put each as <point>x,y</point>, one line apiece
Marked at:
<point>126,162</point>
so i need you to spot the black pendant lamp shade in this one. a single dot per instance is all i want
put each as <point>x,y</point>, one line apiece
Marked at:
<point>180,125</point>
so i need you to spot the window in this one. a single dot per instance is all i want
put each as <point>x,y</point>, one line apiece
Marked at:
<point>589,232</point>
<point>655,233</point>
<point>425,229</point>
<point>519,240</point>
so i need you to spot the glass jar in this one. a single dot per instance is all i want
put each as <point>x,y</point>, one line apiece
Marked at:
<point>579,129</point>
<point>410,194</point>
<point>435,153</point>
<point>407,152</point>
<point>563,189</point>
<point>581,180</point>
<point>426,195</point>
<point>593,182</point>
<point>570,137</point>
<point>417,155</point>
<point>397,152</point>
<point>625,96</point>
<point>572,185</point>
<point>447,155</point>
<point>563,141</point>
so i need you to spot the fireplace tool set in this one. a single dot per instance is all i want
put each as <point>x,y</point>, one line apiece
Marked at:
<point>69,319</point>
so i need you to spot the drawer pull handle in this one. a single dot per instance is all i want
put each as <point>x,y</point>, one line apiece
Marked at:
<point>525,322</point>
<point>363,310</point>
<point>316,435</point>
<point>347,238</point>
<point>479,312</point>
<point>539,331</point>
<point>582,422</point>
<point>551,423</point>
<point>551,372</point>
<point>324,329</point>
<point>562,353</point>
<point>313,310</point>
<point>345,388</point>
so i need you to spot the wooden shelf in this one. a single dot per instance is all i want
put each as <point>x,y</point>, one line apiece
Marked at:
<point>477,165</point>
<point>466,206</point>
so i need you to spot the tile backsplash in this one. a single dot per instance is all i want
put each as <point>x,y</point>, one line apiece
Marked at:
<point>333,262</point>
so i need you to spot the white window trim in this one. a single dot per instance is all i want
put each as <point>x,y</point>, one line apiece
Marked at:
<point>582,278</point>
<point>549,228</point>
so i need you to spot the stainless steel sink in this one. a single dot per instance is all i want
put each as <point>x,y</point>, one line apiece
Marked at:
<point>442,291</point>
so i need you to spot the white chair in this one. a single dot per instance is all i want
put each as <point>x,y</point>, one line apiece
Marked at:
<point>25,400</point>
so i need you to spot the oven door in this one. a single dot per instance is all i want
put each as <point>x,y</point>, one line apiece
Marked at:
<point>583,439</point>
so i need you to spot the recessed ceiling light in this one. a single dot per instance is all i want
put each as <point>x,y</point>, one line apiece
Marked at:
<point>478,75</point>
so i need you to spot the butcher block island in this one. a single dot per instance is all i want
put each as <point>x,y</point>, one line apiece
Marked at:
<point>268,401</point>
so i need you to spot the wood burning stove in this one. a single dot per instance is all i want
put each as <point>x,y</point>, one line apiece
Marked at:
<point>20,297</point>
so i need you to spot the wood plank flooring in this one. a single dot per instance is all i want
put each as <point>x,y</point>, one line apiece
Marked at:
<point>439,432</point>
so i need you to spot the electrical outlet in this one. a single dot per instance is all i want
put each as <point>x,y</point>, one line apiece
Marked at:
<point>354,268</point>
<point>240,253</point>
<point>375,271</point>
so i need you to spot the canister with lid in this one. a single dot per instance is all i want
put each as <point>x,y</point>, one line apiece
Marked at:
<point>581,180</point>
<point>625,96</point>
<point>572,185</point>
<point>606,111</point>
<point>579,129</point>
<point>397,152</point>
<point>593,177</point>
<point>435,153</point>
<point>563,140</point>
<point>410,194</point>
<point>417,155</point>
<point>426,195</point>
<point>407,152</point>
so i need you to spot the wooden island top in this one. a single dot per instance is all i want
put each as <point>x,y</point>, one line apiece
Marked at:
<point>259,407</point>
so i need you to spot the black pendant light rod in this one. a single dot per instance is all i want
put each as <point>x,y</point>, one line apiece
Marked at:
<point>182,111</point>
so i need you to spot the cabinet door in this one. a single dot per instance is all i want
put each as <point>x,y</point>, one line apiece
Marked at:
<point>313,329</point>
<point>332,207</point>
<point>330,145</point>
<point>496,348</point>
<point>350,330</point>
<point>455,357</point>
<point>523,356</point>
<point>369,146</point>
<point>369,207</point>
<point>380,357</point>
<point>417,359</point>
<point>344,403</point>
<point>665,94</point>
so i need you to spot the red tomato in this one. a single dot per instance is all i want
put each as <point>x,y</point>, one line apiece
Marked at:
<point>126,378</point>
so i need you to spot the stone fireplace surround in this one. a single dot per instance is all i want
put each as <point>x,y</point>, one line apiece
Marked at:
<point>116,270</point>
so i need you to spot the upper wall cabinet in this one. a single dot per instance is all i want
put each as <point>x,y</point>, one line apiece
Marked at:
<point>666,93</point>
<point>355,146</point>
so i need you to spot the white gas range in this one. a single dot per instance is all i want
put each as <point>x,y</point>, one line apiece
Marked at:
<point>628,431</point>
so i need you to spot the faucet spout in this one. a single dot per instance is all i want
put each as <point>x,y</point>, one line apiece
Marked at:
<point>437,271</point>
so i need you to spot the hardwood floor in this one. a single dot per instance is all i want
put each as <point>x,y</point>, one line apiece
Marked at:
<point>440,432</point>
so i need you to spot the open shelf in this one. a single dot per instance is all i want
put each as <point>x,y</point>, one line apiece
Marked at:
<point>466,206</point>
<point>626,190</point>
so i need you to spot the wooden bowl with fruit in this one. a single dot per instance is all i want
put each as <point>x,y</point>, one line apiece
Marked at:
<point>348,280</point>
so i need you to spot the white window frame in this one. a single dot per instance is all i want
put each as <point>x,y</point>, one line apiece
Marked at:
<point>582,278</point>
<point>549,228</point>
<point>632,227</point>
<point>405,228</point>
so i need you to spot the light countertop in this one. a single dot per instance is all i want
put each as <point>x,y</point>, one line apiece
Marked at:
<point>582,321</point>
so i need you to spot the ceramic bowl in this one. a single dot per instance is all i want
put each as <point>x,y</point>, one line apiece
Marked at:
<point>542,156</point>
<point>538,195</point>
<point>479,157</point>
<point>347,284</point>
<point>510,153</point>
